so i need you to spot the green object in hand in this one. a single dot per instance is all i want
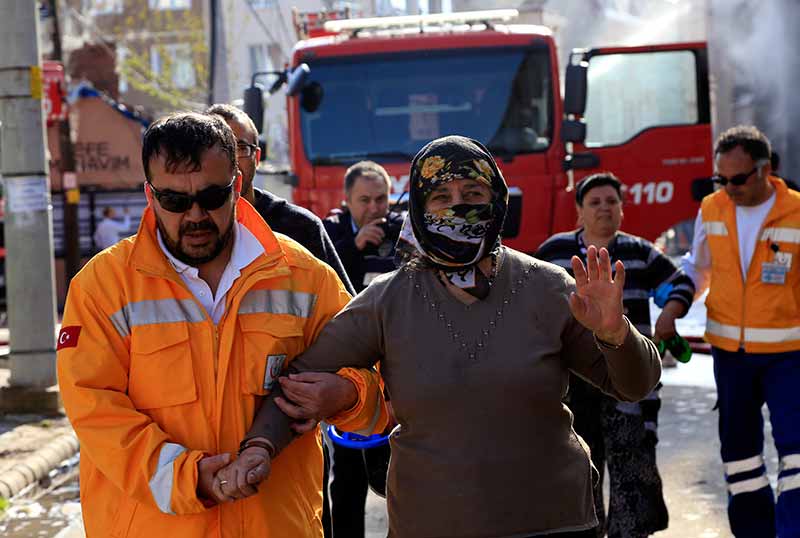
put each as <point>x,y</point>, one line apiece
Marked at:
<point>677,346</point>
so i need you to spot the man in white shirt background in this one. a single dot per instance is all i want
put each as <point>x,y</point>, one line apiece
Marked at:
<point>109,230</point>
<point>745,252</point>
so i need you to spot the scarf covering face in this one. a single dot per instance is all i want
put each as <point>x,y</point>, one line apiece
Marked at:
<point>456,238</point>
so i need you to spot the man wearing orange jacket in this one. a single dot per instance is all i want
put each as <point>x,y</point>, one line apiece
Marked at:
<point>746,251</point>
<point>171,338</point>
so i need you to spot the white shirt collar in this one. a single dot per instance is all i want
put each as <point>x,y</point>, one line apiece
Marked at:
<point>246,248</point>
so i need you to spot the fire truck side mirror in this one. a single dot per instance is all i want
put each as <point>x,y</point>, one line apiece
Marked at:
<point>573,131</point>
<point>254,105</point>
<point>297,79</point>
<point>311,97</point>
<point>513,220</point>
<point>575,84</point>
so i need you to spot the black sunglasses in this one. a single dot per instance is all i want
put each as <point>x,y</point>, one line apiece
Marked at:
<point>738,179</point>
<point>209,198</point>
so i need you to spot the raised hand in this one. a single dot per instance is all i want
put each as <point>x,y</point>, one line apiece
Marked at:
<point>597,300</point>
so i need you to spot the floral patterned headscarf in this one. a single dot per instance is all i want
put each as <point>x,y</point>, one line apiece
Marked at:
<point>456,238</point>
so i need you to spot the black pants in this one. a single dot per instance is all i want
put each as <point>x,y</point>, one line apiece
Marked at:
<point>348,493</point>
<point>326,503</point>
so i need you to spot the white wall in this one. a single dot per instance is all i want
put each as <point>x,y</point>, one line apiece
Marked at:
<point>242,31</point>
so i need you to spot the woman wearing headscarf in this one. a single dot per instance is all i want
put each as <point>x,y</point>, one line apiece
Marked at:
<point>475,343</point>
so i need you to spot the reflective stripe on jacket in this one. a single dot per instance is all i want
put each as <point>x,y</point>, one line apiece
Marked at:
<point>151,386</point>
<point>761,317</point>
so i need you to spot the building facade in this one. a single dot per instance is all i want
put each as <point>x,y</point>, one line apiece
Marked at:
<point>160,50</point>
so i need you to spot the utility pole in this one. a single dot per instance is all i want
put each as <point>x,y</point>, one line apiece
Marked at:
<point>28,222</point>
<point>72,240</point>
<point>217,69</point>
<point>212,53</point>
<point>218,91</point>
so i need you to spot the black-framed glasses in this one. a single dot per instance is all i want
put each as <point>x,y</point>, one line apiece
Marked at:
<point>738,179</point>
<point>208,199</point>
<point>245,149</point>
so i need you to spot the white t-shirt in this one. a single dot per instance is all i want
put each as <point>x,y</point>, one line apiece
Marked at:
<point>749,221</point>
<point>246,248</point>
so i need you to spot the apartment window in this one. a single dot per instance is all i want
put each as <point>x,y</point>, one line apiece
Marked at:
<point>174,60</point>
<point>170,4</point>
<point>102,7</point>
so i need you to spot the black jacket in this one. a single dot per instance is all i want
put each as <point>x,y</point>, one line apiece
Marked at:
<point>371,261</point>
<point>303,226</point>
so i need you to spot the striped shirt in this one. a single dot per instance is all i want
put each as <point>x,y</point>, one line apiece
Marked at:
<point>646,268</point>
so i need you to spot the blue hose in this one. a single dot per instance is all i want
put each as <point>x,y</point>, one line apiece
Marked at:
<point>353,440</point>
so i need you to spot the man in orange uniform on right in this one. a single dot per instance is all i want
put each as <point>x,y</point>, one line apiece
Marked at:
<point>746,251</point>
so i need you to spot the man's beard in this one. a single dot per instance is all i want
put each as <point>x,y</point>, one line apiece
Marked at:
<point>175,249</point>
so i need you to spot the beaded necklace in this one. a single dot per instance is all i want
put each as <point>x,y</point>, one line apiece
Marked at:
<point>477,346</point>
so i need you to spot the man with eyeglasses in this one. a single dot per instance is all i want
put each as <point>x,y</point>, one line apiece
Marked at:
<point>170,340</point>
<point>745,252</point>
<point>283,217</point>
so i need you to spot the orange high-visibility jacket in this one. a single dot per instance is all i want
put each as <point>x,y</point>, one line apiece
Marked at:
<point>151,385</point>
<point>759,316</point>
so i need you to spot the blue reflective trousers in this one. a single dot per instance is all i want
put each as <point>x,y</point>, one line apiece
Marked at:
<point>745,382</point>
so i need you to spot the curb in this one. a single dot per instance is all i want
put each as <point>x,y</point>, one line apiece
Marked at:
<point>37,465</point>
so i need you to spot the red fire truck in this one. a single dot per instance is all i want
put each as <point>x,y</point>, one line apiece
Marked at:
<point>381,88</point>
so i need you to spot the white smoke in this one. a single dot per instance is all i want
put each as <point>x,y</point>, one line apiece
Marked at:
<point>600,23</point>
<point>756,43</point>
<point>753,48</point>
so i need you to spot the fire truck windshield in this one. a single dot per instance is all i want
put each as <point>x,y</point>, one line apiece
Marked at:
<point>386,107</point>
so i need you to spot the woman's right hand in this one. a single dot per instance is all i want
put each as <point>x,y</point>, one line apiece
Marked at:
<point>309,397</point>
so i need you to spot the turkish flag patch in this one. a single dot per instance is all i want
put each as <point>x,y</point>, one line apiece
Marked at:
<point>68,337</point>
